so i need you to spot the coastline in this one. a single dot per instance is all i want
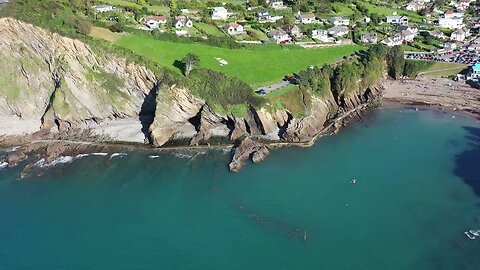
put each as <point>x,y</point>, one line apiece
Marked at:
<point>430,93</point>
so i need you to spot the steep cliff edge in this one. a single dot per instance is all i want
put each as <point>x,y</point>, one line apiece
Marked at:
<point>62,83</point>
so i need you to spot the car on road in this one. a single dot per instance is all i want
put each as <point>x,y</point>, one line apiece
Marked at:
<point>262,92</point>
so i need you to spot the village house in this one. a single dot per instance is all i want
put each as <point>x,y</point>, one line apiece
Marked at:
<point>415,6</point>
<point>276,4</point>
<point>306,18</point>
<point>155,21</point>
<point>401,20</point>
<point>263,16</point>
<point>451,20</point>
<point>338,31</point>
<point>462,4</point>
<point>182,21</point>
<point>369,37</point>
<point>393,41</point>
<point>233,28</point>
<point>438,34</point>
<point>219,13</point>
<point>458,35</point>
<point>292,30</point>
<point>280,36</point>
<point>366,19</point>
<point>336,21</point>
<point>408,35</point>
<point>450,45</point>
<point>321,35</point>
<point>103,8</point>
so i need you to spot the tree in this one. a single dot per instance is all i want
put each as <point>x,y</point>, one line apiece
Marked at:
<point>189,61</point>
<point>116,27</point>
<point>396,62</point>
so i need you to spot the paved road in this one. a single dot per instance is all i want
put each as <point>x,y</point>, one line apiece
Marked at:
<point>273,87</point>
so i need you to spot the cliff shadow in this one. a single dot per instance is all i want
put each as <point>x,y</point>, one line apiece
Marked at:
<point>147,112</point>
<point>467,164</point>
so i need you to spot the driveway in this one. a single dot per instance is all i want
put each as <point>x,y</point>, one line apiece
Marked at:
<point>273,87</point>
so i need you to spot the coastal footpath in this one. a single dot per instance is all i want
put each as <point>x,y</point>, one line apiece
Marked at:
<point>58,88</point>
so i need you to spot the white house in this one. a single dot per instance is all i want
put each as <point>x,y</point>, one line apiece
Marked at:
<point>339,21</point>
<point>219,13</point>
<point>450,45</point>
<point>369,37</point>
<point>276,4</point>
<point>408,35</point>
<point>103,8</point>
<point>438,34</point>
<point>393,41</point>
<point>292,30</point>
<point>233,28</point>
<point>321,35</point>
<point>458,35</point>
<point>182,21</point>
<point>338,31</point>
<point>279,36</point>
<point>401,20</point>
<point>451,19</point>
<point>366,19</point>
<point>306,18</point>
<point>263,16</point>
<point>415,6</point>
<point>155,21</point>
<point>451,23</point>
<point>462,4</point>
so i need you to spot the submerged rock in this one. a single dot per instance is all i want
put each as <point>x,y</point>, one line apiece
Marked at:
<point>249,148</point>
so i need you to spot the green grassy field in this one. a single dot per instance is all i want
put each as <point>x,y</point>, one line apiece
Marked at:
<point>124,3</point>
<point>440,69</point>
<point>211,30</point>
<point>258,66</point>
<point>342,9</point>
<point>384,11</point>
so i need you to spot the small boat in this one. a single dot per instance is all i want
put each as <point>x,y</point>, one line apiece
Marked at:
<point>354,181</point>
<point>475,233</point>
<point>469,235</point>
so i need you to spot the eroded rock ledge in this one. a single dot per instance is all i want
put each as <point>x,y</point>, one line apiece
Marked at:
<point>248,149</point>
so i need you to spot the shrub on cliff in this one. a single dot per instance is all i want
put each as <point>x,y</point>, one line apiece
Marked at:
<point>396,62</point>
<point>220,91</point>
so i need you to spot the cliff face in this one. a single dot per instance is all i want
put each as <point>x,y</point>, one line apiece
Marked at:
<point>62,84</point>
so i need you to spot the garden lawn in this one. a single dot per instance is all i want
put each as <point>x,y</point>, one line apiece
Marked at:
<point>259,65</point>
<point>342,9</point>
<point>209,29</point>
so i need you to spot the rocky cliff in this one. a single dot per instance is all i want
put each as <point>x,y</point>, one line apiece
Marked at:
<point>63,85</point>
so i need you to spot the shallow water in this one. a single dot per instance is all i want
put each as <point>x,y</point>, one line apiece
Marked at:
<point>417,191</point>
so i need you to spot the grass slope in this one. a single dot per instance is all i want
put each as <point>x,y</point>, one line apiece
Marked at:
<point>441,69</point>
<point>258,66</point>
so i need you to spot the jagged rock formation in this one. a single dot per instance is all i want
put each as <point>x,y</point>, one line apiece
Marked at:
<point>249,148</point>
<point>65,85</point>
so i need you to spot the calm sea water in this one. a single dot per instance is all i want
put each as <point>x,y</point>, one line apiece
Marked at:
<point>417,191</point>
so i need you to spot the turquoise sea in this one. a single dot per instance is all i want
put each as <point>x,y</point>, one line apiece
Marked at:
<point>417,191</point>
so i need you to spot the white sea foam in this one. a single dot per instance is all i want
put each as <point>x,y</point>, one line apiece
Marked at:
<point>60,160</point>
<point>178,155</point>
<point>152,157</point>
<point>82,155</point>
<point>99,154</point>
<point>3,165</point>
<point>118,155</point>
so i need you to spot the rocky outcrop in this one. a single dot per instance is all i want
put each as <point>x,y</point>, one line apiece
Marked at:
<point>15,157</point>
<point>175,107</point>
<point>248,149</point>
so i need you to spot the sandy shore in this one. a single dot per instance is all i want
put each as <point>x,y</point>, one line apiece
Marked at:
<point>435,92</point>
